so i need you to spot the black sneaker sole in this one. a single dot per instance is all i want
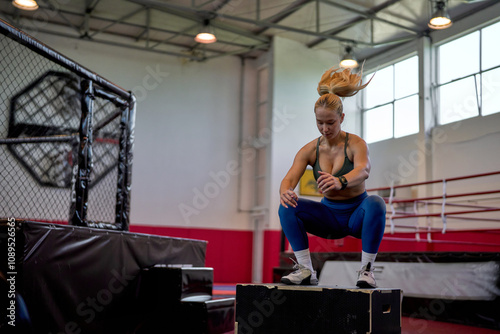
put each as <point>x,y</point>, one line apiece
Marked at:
<point>365,285</point>
<point>305,281</point>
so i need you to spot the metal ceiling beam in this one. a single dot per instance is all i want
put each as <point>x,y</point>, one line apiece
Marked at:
<point>199,15</point>
<point>372,12</point>
<point>89,8</point>
<point>355,7</point>
<point>86,23</point>
<point>170,53</point>
<point>204,13</point>
<point>120,20</point>
<point>146,29</point>
<point>53,8</point>
<point>238,52</point>
<point>220,5</point>
<point>283,14</point>
<point>142,26</point>
<point>92,4</point>
<point>337,30</point>
<point>477,8</point>
<point>218,25</point>
<point>193,3</point>
<point>369,15</point>
<point>171,37</point>
<point>134,47</point>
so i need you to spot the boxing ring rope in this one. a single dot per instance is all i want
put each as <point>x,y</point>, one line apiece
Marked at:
<point>394,215</point>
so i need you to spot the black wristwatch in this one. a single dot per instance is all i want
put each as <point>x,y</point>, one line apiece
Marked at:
<point>343,180</point>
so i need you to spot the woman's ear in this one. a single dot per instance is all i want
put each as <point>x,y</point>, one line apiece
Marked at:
<point>342,118</point>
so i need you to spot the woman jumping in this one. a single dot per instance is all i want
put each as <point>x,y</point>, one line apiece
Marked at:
<point>340,165</point>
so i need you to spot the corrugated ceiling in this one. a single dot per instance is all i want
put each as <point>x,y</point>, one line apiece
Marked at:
<point>243,27</point>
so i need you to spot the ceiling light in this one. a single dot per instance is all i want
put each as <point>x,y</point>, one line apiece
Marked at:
<point>25,4</point>
<point>206,36</point>
<point>348,60</point>
<point>440,19</point>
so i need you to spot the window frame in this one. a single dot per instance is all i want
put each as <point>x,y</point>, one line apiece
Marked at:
<point>479,90</point>
<point>392,102</point>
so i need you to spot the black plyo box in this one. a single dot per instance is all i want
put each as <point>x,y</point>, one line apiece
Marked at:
<point>277,308</point>
<point>213,316</point>
<point>161,292</point>
<point>170,284</point>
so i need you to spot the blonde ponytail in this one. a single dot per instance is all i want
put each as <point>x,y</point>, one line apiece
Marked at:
<point>334,84</point>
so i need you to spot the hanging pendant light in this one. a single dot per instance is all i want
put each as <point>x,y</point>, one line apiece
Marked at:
<point>206,36</point>
<point>348,60</point>
<point>440,19</point>
<point>25,4</point>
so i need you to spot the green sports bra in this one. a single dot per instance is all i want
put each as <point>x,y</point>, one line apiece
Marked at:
<point>346,167</point>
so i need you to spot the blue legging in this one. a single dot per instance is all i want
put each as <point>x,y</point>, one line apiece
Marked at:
<point>362,217</point>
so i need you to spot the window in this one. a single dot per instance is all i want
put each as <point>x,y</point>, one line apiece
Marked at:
<point>390,102</point>
<point>490,63</point>
<point>469,76</point>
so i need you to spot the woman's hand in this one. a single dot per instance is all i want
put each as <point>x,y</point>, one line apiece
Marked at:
<point>289,197</point>
<point>327,182</point>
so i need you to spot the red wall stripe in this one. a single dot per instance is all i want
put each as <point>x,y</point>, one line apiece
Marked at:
<point>229,252</point>
<point>272,244</point>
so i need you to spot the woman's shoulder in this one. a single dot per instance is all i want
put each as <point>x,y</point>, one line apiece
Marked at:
<point>308,151</point>
<point>311,146</point>
<point>355,145</point>
<point>356,140</point>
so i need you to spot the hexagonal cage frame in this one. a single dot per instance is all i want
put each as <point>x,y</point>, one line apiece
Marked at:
<point>70,135</point>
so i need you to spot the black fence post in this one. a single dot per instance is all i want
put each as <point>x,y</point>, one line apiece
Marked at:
<point>84,155</point>
<point>127,124</point>
<point>130,155</point>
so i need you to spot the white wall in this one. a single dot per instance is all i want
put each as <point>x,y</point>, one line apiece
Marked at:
<point>459,149</point>
<point>392,160</point>
<point>186,135</point>
<point>467,147</point>
<point>297,71</point>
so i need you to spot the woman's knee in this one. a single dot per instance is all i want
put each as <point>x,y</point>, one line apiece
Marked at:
<point>375,204</point>
<point>285,213</point>
<point>281,210</point>
<point>377,212</point>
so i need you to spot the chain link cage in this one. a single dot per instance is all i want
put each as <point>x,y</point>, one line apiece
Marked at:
<point>46,158</point>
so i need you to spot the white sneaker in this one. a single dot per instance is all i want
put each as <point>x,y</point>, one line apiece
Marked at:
<point>366,278</point>
<point>301,276</point>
